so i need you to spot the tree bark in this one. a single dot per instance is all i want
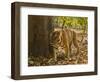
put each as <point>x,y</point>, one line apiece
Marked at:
<point>38,40</point>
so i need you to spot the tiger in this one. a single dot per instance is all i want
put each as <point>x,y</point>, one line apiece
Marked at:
<point>61,40</point>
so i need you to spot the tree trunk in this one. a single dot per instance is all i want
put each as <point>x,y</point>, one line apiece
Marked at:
<point>38,41</point>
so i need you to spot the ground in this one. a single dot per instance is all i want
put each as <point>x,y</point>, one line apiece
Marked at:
<point>81,58</point>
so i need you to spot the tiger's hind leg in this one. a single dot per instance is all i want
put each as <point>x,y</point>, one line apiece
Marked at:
<point>75,43</point>
<point>70,49</point>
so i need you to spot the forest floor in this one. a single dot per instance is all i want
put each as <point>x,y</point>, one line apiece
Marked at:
<point>81,58</point>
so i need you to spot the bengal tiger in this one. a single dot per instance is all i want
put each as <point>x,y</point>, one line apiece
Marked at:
<point>61,40</point>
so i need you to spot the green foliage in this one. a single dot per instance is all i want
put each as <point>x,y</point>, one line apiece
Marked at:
<point>71,22</point>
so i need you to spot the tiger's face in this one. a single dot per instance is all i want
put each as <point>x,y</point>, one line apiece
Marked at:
<point>57,43</point>
<point>55,38</point>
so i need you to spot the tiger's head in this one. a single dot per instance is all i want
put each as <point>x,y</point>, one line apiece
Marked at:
<point>56,41</point>
<point>55,38</point>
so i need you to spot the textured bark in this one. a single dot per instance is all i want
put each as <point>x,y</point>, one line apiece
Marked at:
<point>38,40</point>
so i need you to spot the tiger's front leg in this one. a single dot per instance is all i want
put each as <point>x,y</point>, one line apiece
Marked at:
<point>55,55</point>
